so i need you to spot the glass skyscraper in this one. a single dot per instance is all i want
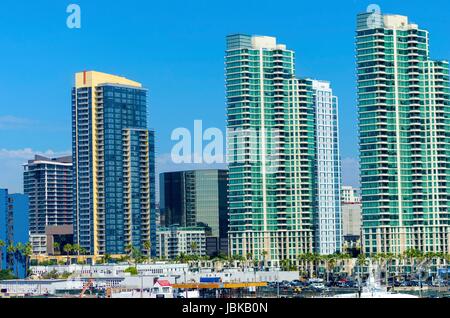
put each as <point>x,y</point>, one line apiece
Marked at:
<point>196,198</point>
<point>274,152</point>
<point>404,137</point>
<point>113,155</point>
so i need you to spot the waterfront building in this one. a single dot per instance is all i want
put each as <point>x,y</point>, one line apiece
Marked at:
<point>327,201</point>
<point>403,98</point>
<point>175,241</point>
<point>283,199</point>
<point>113,161</point>
<point>48,183</point>
<point>197,198</point>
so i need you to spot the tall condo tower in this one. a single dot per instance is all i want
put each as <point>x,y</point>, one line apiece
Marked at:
<point>404,137</point>
<point>327,195</point>
<point>48,184</point>
<point>113,156</point>
<point>272,153</point>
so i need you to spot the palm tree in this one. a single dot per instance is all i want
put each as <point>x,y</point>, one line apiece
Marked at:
<point>317,260</point>
<point>330,263</point>
<point>107,258</point>
<point>2,245</point>
<point>249,257</point>
<point>361,262</point>
<point>194,247</point>
<point>83,251</point>
<point>136,255</point>
<point>68,249</point>
<point>264,255</point>
<point>302,260</point>
<point>413,255</point>
<point>76,249</point>
<point>27,252</point>
<point>129,249</point>
<point>18,256</point>
<point>10,251</point>
<point>148,249</point>
<point>56,247</point>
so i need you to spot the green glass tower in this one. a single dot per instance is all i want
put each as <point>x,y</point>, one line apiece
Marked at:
<point>272,154</point>
<point>404,137</point>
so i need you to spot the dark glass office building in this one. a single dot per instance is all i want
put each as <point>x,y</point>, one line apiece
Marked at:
<point>197,198</point>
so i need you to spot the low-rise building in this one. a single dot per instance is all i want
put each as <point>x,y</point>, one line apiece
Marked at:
<point>175,241</point>
<point>111,270</point>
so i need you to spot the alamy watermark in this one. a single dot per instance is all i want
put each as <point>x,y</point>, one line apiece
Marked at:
<point>242,146</point>
<point>74,19</point>
<point>375,19</point>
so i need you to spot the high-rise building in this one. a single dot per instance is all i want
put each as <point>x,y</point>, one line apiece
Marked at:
<point>13,224</point>
<point>113,160</point>
<point>278,127</point>
<point>5,226</point>
<point>48,184</point>
<point>350,195</point>
<point>197,198</point>
<point>404,141</point>
<point>327,210</point>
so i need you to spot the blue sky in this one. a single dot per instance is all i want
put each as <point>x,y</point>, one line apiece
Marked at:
<point>176,49</point>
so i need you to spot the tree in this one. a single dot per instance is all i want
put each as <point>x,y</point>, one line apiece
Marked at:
<point>18,256</point>
<point>194,247</point>
<point>264,256</point>
<point>56,248</point>
<point>361,262</point>
<point>136,255</point>
<point>27,252</point>
<point>10,251</point>
<point>107,258</point>
<point>68,249</point>
<point>148,249</point>
<point>2,245</point>
<point>129,249</point>
<point>76,249</point>
<point>83,251</point>
<point>330,263</point>
<point>132,270</point>
<point>6,275</point>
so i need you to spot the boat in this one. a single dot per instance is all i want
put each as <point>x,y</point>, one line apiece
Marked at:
<point>373,289</point>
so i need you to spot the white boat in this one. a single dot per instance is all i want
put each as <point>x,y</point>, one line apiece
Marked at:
<point>374,290</point>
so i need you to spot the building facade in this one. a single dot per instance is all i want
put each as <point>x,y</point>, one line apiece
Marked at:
<point>350,195</point>
<point>351,219</point>
<point>175,241</point>
<point>327,210</point>
<point>196,198</point>
<point>273,154</point>
<point>13,225</point>
<point>404,141</point>
<point>5,226</point>
<point>48,183</point>
<point>113,156</point>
